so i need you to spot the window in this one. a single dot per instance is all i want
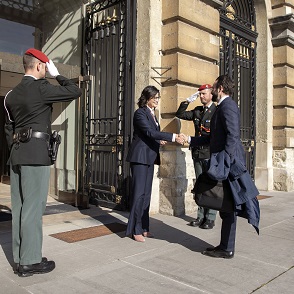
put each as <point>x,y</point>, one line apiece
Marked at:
<point>15,38</point>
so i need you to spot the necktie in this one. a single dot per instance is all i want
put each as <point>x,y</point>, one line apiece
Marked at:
<point>204,110</point>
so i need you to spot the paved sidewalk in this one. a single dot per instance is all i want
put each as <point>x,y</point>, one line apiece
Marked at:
<point>170,263</point>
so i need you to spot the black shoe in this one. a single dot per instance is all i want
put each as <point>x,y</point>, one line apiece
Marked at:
<point>37,268</point>
<point>208,224</point>
<point>212,248</point>
<point>218,253</point>
<point>16,265</point>
<point>197,222</point>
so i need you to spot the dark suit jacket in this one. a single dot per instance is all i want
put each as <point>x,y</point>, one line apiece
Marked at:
<point>29,104</point>
<point>225,140</point>
<point>196,115</point>
<point>224,131</point>
<point>145,144</point>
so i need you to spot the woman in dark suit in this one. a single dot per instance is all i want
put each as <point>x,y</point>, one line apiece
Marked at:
<point>142,155</point>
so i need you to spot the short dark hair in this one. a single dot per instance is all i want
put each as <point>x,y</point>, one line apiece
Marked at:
<point>147,93</point>
<point>226,82</point>
<point>29,61</point>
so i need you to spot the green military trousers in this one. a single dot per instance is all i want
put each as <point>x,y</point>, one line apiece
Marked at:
<point>200,166</point>
<point>29,189</point>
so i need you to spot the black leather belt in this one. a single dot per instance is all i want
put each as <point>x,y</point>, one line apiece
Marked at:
<point>200,147</point>
<point>25,134</point>
<point>40,135</point>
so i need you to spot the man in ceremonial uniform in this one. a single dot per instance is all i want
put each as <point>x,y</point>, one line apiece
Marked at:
<point>201,116</point>
<point>28,131</point>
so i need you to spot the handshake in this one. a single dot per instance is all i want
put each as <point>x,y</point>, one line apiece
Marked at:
<point>181,138</point>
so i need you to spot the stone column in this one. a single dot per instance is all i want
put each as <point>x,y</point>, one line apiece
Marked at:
<point>190,46</point>
<point>148,55</point>
<point>282,26</point>
<point>264,99</point>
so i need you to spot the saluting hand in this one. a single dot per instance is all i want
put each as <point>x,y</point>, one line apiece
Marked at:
<point>53,71</point>
<point>193,97</point>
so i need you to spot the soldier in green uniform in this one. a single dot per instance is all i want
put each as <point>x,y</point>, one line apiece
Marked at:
<point>201,116</point>
<point>28,131</point>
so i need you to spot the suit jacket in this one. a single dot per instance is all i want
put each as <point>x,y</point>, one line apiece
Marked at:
<point>226,146</point>
<point>224,131</point>
<point>29,104</point>
<point>145,144</point>
<point>199,119</point>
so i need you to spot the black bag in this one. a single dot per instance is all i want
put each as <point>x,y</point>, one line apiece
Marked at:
<point>213,194</point>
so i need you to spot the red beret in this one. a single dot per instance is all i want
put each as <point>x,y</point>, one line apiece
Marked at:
<point>205,86</point>
<point>38,54</point>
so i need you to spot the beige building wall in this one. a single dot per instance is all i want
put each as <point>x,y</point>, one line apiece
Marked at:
<point>148,55</point>
<point>264,98</point>
<point>190,48</point>
<point>282,29</point>
<point>184,44</point>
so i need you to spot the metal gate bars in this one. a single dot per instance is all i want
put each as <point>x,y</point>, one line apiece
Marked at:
<point>238,60</point>
<point>108,55</point>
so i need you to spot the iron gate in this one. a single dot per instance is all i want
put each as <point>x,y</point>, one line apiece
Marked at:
<point>108,66</point>
<point>238,60</point>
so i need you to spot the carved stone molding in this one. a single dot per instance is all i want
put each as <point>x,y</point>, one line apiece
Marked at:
<point>282,29</point>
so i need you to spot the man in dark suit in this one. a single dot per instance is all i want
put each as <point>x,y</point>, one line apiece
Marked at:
<point>28,131</point>
<point>201,116</point>
<point>224,135</point>
<point>142,155</point>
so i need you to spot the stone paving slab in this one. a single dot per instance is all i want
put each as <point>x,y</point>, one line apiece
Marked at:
<point>170,263</point>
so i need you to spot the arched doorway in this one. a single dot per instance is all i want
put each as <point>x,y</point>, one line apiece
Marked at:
<point>238,59</point>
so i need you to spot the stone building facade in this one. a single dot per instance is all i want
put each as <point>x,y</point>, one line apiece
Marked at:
<point>177,48</point>
<point>190,45</point>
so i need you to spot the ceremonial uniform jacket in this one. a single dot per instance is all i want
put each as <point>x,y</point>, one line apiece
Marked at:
<point>201,122</point>
<point>29,104</point>
<point>225,131</point>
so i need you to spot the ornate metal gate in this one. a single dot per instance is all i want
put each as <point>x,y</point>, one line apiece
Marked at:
<point>238,59</point>
<point>108,69</point>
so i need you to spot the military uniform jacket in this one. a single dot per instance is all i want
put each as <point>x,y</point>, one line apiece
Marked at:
<point>29,104</point>
<point>201,122</point>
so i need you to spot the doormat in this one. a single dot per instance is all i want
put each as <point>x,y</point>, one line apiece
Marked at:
<point>89,233</point>
<point>260,197</point>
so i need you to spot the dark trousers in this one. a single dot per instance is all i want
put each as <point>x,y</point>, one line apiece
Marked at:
<point>228,231</point>
<point>142,177</point>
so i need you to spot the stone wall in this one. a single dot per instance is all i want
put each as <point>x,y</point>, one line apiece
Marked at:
<point>190,47</point>
<point>282,27</point>
<point>264,98</point>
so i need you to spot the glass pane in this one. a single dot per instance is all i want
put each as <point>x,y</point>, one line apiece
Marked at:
<point>15,38</point>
